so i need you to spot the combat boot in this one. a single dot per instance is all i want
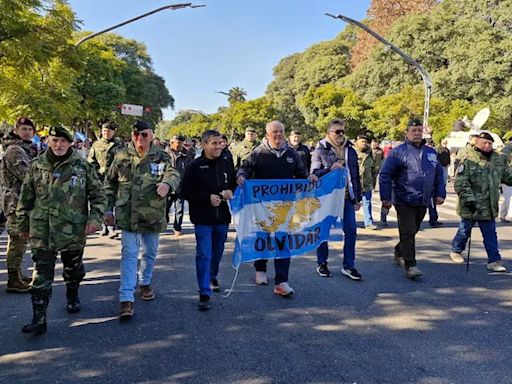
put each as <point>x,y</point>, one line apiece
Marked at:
<point>38,324</point>
<point>15,284</point>
<point>73,305</point>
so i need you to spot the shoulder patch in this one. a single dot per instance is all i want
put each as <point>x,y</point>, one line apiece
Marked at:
<point>460,168</point>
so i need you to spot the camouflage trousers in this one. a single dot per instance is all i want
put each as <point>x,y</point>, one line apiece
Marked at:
<point>16,246</point>
<point>44,270</point>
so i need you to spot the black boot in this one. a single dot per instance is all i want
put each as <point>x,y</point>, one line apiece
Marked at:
<point>38,325</point>
<point>72,297</point>
<point>15,284</point>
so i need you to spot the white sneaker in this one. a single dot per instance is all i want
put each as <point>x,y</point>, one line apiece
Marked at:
<point>283,289</point>
<point>496,266</point>
<point>261,278</point>
<point>456,257</point>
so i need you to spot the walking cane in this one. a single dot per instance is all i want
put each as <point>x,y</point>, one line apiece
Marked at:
<point>469,249</point>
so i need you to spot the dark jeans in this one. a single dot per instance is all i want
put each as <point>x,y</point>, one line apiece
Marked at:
<point>409,222</point>
<point>179,204</point>
<point>433,217</point>
<point>282,266</point>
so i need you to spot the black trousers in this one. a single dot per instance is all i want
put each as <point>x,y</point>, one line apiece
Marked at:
<point>409,222</point>
<point>179,208</point>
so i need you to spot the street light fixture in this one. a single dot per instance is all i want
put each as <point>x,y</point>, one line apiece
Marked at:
<point>171,7</point>
<point>427,81</point>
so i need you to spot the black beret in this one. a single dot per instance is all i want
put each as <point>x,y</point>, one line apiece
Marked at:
<point>250,129</point>
<point>25,121</point>
<point>414,122</point>
<point>177,138</point>
<point>486,136</point>
<point>59,131</point>
<point>141,126</point>
<point>111,126</point>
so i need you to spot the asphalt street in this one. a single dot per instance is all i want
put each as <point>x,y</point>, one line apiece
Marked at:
<point>450,326</point>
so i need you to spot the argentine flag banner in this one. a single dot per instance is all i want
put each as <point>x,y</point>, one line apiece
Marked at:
<point>285,218</point>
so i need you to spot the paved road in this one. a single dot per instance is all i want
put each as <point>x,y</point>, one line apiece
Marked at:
<point>449,327</point>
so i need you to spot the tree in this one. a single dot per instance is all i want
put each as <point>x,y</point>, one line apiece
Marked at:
<point>235,95</point>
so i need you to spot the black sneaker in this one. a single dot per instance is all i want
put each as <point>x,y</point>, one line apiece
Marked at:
<point>204,302</point>
<point>323,270</point>
<point>214,285</point>
<point>351,273</point>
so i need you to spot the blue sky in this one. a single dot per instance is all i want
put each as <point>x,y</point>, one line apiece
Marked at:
<point>225,44</point>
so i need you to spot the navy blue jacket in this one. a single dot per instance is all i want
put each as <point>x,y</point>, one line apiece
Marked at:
<point>324,156</point>
<point>411,176</point>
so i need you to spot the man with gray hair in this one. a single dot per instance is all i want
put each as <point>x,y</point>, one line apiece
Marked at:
<point>274,159</point>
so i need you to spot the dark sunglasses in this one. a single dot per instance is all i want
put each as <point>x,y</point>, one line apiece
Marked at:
<point>339,132</point>
<point>143,134</point>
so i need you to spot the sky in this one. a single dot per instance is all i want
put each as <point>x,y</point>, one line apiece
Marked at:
<point>228,43</point>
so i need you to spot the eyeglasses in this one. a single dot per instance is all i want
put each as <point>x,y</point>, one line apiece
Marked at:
<point>339,132</point>
<point>143,134</point>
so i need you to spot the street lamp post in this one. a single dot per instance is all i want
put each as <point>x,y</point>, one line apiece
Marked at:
<point>427,81</point>
<point>171,7</point>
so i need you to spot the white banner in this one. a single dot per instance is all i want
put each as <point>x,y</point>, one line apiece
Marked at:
<point>132,110</point>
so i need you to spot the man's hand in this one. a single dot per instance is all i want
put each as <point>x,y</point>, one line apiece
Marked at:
<point>162,189</point>
<point>227,194</point>
<point>336,165</point>
<point>240,180</point>
<point>24,235</point>
<point>357,206</point>
<point>312,177</point>
<point>215,200</point>
<point>108,219</point>
<point>439,200</point>
<point>387,204</point>
<point>90,229</point>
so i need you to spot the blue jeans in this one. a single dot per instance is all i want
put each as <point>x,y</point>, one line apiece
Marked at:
<point>367,208</point>
<point>130,247</point>
<point>488,230</point>
<point>210,240</point>
<point>349,245</point>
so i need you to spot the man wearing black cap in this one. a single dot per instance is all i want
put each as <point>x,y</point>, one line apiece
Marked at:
<point>367,176</point>
<point>295,142</point>
<point>137,184</point>
<point>18,152</point>
<point>477,183</point>
<point>180,159</point>
<point>61,202</point>
<point>411,178</point>
<point>242,150</point>
<point>101,156</point>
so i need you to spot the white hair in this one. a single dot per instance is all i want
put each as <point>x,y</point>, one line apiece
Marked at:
<point>272,123</point>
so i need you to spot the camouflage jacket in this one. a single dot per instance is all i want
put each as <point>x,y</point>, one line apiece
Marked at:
<point>378,157</point>
<point>478,180</point>
<point>102,154</point>
<point>17,156</point>
<point>507,152</point>
<point>58,201</point>
<point>130,187</point>
<point>241,152</point>
<point>366,169</point>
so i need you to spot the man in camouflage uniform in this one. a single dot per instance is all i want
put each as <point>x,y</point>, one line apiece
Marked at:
<point>368,177</point>
<point>101,156</point>
<point>180,159</point>
<point>137,184</point>
<point>18,151</point>
<point>61,203</point>
<point>477,183</point>
<point>242,150</point>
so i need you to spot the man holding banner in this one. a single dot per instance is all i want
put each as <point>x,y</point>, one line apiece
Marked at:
<point>274,159</point>
<point>335,151</point>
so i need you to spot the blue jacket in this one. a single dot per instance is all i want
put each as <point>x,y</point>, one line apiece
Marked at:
<point>412,176</point>
<point>323,157</point>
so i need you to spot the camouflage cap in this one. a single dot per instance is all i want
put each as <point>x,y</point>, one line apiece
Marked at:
<point>25,121</point>
<point>60,131</point>
<point>141,126</point>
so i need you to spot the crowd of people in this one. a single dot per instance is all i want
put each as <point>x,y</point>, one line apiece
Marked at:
<point>53,196</point>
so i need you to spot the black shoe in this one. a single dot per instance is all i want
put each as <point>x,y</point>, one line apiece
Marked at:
<point>351,273</point>
<point>73,305</point>
<point>204,302</point>
<point>214,285</point>
<point>323,270</point>
<point>436,224</point>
